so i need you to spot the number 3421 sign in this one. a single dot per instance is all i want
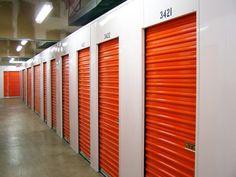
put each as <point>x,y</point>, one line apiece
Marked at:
<point>166,13</point>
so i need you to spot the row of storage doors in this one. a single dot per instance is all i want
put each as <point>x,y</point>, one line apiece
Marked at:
<point>27,87</point>
<point>170,100</point>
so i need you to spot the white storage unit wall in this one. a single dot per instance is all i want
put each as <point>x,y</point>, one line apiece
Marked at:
<point>215,150</point>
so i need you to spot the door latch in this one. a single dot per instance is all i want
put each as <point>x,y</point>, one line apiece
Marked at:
<point>189,146</point>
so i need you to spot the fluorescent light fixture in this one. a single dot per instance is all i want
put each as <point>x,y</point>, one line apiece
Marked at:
<point>19,48</point>
<point>24,42</point>
<point>12,60</point>
<point>43,13</point>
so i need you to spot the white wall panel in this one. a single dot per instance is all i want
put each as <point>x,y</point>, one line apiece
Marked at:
<point>21,84</point>
<point>2,83</point>
<point>73,98</point>
<point>41,92</point>
<point>94,156</point>
<point>49,95</point>
<point>59,126</point>
<point>131,92</point>
<point>26,98</point>
<point>217,113</point>
<point>32,87</point>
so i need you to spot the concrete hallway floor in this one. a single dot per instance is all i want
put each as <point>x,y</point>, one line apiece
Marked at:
<point>28,148</point>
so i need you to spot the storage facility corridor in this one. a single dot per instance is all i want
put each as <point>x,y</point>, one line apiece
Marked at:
<point>117,88</point>
<point>29,149</point>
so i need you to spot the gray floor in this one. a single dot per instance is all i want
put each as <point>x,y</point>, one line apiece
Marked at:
<point>28,148</point>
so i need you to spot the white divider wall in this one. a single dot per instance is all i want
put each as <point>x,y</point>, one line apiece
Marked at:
<point>49,94</point>
<point>59,125</point>
<point>1,83</point>
<point>217,96</point>
<point>26,87</point>
<point>21,84</point>
<point>41,92</point>
<point>131,92</point>
<point>32,87</point>
<point>94,159</point>
<point>73,101</point>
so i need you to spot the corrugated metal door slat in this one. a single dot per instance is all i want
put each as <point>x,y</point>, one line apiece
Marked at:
<point>109,107</point>
<point>29,98</point>
<point>65,98</point>
<point>25,81</point>
<point>53,93</point>
<point>45,91</point>
<point>170,97</point>
<point>84,101</point>
<point>37,89</point>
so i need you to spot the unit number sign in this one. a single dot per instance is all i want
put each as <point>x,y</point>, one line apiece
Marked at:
<point>107,35</point>
<point>166,13</point>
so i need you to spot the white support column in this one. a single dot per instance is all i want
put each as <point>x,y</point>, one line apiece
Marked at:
<point>26,87</point>
<point>32,86</point>
<point>94,159</point>
<point>21,84</point>
<point>59,126</point>
<point>41,92</point>
<point>73,92</point>
<point>49,95</point>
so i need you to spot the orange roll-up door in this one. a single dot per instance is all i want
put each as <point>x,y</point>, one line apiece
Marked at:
<point>171,98</point>
<point>24,83</point>
<point>11,83</point>
<point>109,107</point>
<point>65,98</point>
<point>45,91</point>
<point>6,83</point>
<point>84,102</point>
<point>29,87</point>
<point>37,89</point>
<point>53,92</point>
<point>14,81</point>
